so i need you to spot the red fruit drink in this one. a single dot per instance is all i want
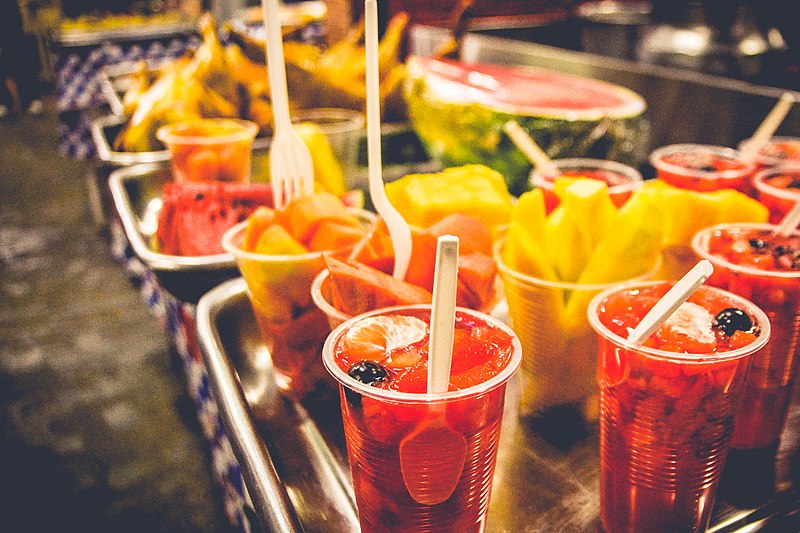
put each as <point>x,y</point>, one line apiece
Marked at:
<point>764,268</point>
<point>777,150</point>
<point>702,167</point>
<point>421,462</point>
<point>622,179</point>
<point>667,407</point>
<point>778,188</point>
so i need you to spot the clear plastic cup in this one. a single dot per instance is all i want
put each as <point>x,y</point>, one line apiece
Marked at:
<point>702,167</point>
<point>559,349</point>
<point>343,130</point>
<point>778,188</point>
<point>321,294</point>
<point>774,372</point>
<point>778,150</point>
<point>622,179</point>
<point>666,422</point>
<point>407,472</point>
<point>210,149</point>
<point>293,328</point>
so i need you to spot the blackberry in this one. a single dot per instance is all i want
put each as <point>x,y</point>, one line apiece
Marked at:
<point>731,320</point>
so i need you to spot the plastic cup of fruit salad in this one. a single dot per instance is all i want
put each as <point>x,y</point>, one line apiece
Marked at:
<point>291,325</point>
<point>778,150</point>
<point>750,261</point>
<point>622,179</point>
<point>702,167</point>
<point>778,188</point>
<point>668,406</point>
<point>559,348</point>
<point>212,149</point>
<point>405,472</point>
<point>321,295</point>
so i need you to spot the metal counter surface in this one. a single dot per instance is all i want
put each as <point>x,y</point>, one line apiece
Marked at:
<point>547,474</point>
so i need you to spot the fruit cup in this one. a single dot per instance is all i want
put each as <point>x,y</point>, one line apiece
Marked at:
<point>755,264</point>
<point>212,149</point>
<point>778,188</point>
<point>668,406</point>
<point>776,151</point>
<point>559,349</point>
<point>421,462</point>
<point>622,179</point>
<point>702,167</point>
<point>293,328</point>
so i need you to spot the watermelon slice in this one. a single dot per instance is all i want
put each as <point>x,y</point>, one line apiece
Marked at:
<point>358,288</point>
<point>194,216</point>
<point>458,111</point>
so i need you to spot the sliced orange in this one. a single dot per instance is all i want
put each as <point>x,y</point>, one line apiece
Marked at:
<point>376,338</point>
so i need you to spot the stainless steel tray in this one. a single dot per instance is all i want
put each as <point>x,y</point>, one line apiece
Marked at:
<point>295,467</point>
<point>136,191</point>
<point>105,129</point>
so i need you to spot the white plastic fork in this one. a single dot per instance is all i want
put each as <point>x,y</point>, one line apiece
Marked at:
<point>291,166</point>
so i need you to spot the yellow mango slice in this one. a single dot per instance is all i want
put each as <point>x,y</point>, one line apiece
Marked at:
<point>568,244</point>
<point>588,203</point>
<point>524,254</point>
<point>275,240</point>
<point>529,214</point>
<point>632,244</point>
<point>328,173</point>
<point>473,190</point>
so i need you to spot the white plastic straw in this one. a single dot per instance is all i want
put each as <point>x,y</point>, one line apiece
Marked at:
<point>531,150</point>
<point>767,127</point>
<point>671,301</point>
<point>443,313</point>
<point>399,231</point>
<point>789,222</point>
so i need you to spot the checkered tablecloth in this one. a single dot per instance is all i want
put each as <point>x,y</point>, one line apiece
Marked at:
<point>177,318</point>
<point>78,78</point>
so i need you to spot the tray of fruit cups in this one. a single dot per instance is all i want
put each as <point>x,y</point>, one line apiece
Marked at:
<point>175,228</point>
<point>546,479</point>
<point>547,473</point>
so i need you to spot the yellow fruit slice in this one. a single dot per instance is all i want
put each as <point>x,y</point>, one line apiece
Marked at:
<point>525,255</point>
<point>589,205</point>
<point>474,190</point>
<point>633,243</point>
<point>568,244</point>
<point>275,240</point>
<point>328,173</point>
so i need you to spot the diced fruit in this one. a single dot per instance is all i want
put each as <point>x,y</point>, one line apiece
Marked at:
<point>474,190</point>
<point>303,215</point>
<point>327,169</point>
<point>473,234</point>
<point>275,240</point>
<point>259,220</point>
<point>524,254</point>
<point>368,372</point>
<point>194,216</point>
<point>333,235</point>
<point>529,215</point>
<point>568,244</point>
<point>358,288</point>
<point>476,275</point>
<point>377,250</point>
<point>375,338</point>
<point>589,204</point>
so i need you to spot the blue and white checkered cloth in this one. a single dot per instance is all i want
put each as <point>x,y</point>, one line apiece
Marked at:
<point>79,84</point>
<point>177,318</point>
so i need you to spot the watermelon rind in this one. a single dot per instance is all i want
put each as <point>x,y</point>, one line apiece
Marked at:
<point>459,125</point>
